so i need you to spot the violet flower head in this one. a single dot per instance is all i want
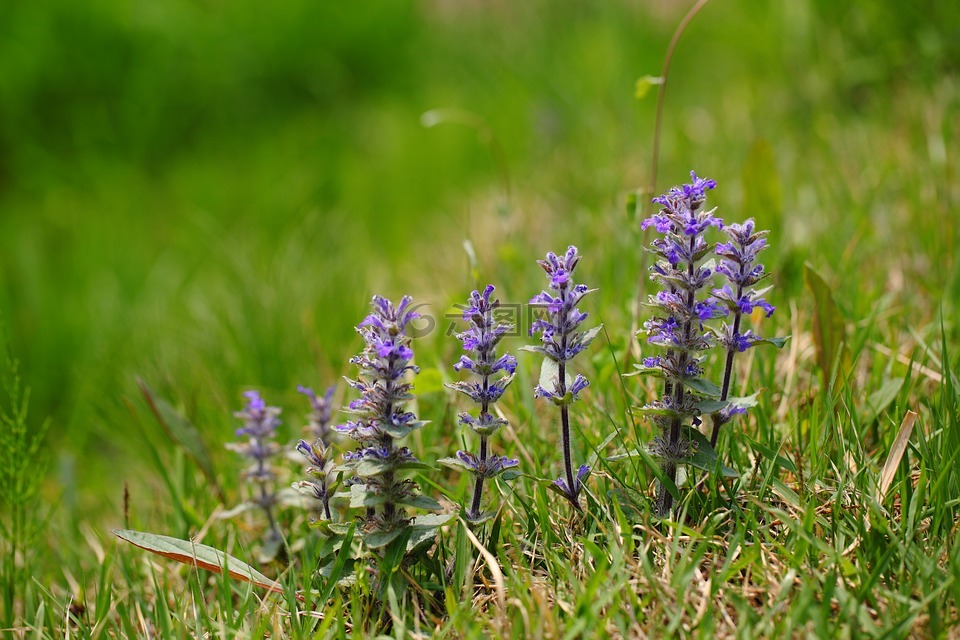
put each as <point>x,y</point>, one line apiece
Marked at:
<point>681,309</point>
<point>380,419</point>
<point>321,411</point>
<point>561,339</point>
<point>260,423</point>
<point>321,469</point>
<point>492,373</point>
<point>740,268</point>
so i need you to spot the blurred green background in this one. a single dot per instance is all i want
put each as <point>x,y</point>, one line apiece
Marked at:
<point>206,194</point>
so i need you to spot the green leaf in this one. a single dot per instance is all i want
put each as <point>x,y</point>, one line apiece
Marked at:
<point>550,375</point>
<point>182,433</point>
<point>709,406</point>
<point>197,555</point>
<point>776,342</point>
<point>774,456</point>
<point>644,84</point>
<point>421,502</point>
<point>424,529</point>
<point>455,463</point>
<point>703,387</point>
<point>828,329</point>
<point>338,565</point>
<point>589,336</point>
<point>653,411</point>
<point>377,539</point>
<point>745,402</point>
<point>403,431</point>
<point>360,497</point>
<point>705,456</point>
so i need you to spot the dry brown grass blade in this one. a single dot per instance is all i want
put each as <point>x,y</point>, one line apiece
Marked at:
<point>493,565</point>
<point>897,450</point>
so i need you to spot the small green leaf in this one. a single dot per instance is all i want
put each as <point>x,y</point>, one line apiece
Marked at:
<point>705,456</point>
<point>776,342</point>
<point>455,463</point>
<point>644,84</point>
<point>589,336</point>
<point>653,411</point>
<point>703,387</point>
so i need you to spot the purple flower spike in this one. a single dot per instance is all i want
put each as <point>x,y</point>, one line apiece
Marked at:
<point>561,339</point>
<point>738,264</point>
<point>260,423</point>
<point>681,307</point>
<point>380,419</point>
<point>484,332</point>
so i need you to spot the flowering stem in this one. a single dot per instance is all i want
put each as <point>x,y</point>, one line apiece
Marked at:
<point>727,373</point>
<point>478,486</point>
<point>565,412</point>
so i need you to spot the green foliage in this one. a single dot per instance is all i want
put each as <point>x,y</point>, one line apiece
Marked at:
<point>23,463</point>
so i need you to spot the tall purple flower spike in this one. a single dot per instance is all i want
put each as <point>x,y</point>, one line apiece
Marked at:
<point>681,310</point>
<point>561,339</point>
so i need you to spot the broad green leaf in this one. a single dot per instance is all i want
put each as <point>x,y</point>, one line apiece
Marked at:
<point>709,406</point>
<point>828,327</point>
<point>421,502</point>
<point>360,497</point>
<point>197,555</point>
<point>182,433</point>
<point>550,375</point>
<point>703,387</point>
<point>745,402</point>
<point>377,539</point>
<point>338,565</point>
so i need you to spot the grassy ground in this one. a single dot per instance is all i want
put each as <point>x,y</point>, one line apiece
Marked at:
<point>205,197</point>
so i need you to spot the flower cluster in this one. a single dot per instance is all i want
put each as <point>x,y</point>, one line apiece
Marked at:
<point>560,341</point>
<point>260,423</point>
<point>681,308</point>
<point>321,410</point>
<point>493,374</point>
<point>379,419</point>
<point>739,267</point>
<point>320,457</point>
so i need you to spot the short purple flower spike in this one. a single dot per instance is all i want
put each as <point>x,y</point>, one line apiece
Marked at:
<point>260,423</point>
<point>493,373</point>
